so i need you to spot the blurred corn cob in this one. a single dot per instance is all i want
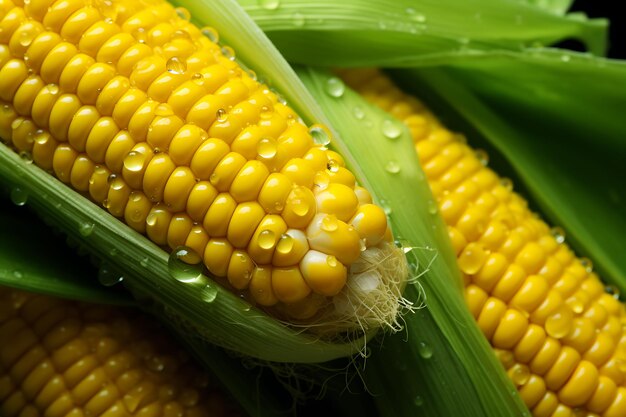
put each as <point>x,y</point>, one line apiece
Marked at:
<point>64,358</point>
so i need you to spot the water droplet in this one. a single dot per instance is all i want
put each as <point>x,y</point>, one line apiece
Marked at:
<point>321,180</point>
<point>432,207</point>
<point>392,167</point>
<point>320,134</point>
<point>221,115</point>
<point>86,228</point>
<point>176,65</point>
<point>134,161</point>
<point>335,87</point>
<point>482,156</point>
<point>612,290</point>
<point>418,400</point>
<point>299,207</point>
<point>507,184</point>
<point>228,52</point>
<point>183,13</point>
<point>208,293</point>
<point>362,245</point>
<point>298,19</point>
<point>152,218</point>
<point>331,261</point>
<point>576,304</point>
<point>267,239</point>
<point>559,324</point>
<point>108,277</point>
<point>386,207</point>
<point>415,16</point>
<point>358,113</point>
<point>41,137</point>
<point>333,166</point>
<point>425,350</point>
<point>198,78</point>
<point>520,374</point>
<point>565,58</point>
<point>52,88</point>
<point>111,178</point>
<point>587,264</point>
<point>155,364</point>
<point>285,244</point>
<point>27,35</point>
<point>391,129</point>
<point>506,357</point>
<point>26,156</point>
<point>558,234</point>
<point>164,110</point>
<point>144,262</point>
<point>19,196</point>
<point>329,223</point>
<point>267,148</point>
<point>211,33</point>
<point>18,274</point>
<point>184,264</point>
<point>269,4</point>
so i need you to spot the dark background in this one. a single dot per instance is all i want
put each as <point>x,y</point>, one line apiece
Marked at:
<point>610,10</point>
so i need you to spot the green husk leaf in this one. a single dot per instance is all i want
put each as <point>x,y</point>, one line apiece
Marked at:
<point>31,259</point>
<point>555,6</point>
<point>200,307</point>
<point>462,377</point>
<point>403,32</point>
<point>557,118</point>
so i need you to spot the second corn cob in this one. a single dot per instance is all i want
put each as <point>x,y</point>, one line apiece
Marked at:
<point>132,105</point>
<point>546,313</point>
<point>62,358</point>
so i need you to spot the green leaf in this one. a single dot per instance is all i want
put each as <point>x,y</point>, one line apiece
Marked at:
<point>31,259</point>
<point>556,6</point>
<point>460,376</point>
<point>558,120</point>
<point>403,32</point>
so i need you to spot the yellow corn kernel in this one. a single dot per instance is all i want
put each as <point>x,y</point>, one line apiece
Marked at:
<point>92,360</point>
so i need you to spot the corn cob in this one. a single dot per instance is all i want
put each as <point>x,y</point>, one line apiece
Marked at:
<point>554,326</point>
<point>130,104</point>
<point>72,359</point>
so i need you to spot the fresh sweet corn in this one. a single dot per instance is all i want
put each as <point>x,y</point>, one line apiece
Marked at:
<point>554,326</point>
<point>132,105</point>
<point>62,358</point>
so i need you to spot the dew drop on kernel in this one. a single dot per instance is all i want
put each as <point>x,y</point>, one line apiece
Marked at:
<point>320,135</point>
<point>520,374</point>
<point>507,184</point>
<point>587,264</point>
<point>198,78</point>
<point>19,196</point>
<point>558,234</point>
<point>267,239</point>
<point>211,33</point>
<point>208,293</point>
<point>52,88</point>
<point>335,87</point>
<point>176,66</point>
<point>267,148</point>
<point>392,167</point>
<point>152,219</point>
<point>27,35</point>
<point>612,290</point>
<point>559,324</point>
<point>134,161</point>
<point>269,4</point>
<point>298,19</point>
<point>482,156</point>
<point>425,350</point>
<point>108,277</point>
<point>220,115</point>
<point>285,244</point>
<point>86,228</point>
<point>228,52</point>
<point>329,223</point>
<point>333,166</point>
<point>26,156</point>
<point>183,13</point>
<point>184,264</point>
<point>391,129</point>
